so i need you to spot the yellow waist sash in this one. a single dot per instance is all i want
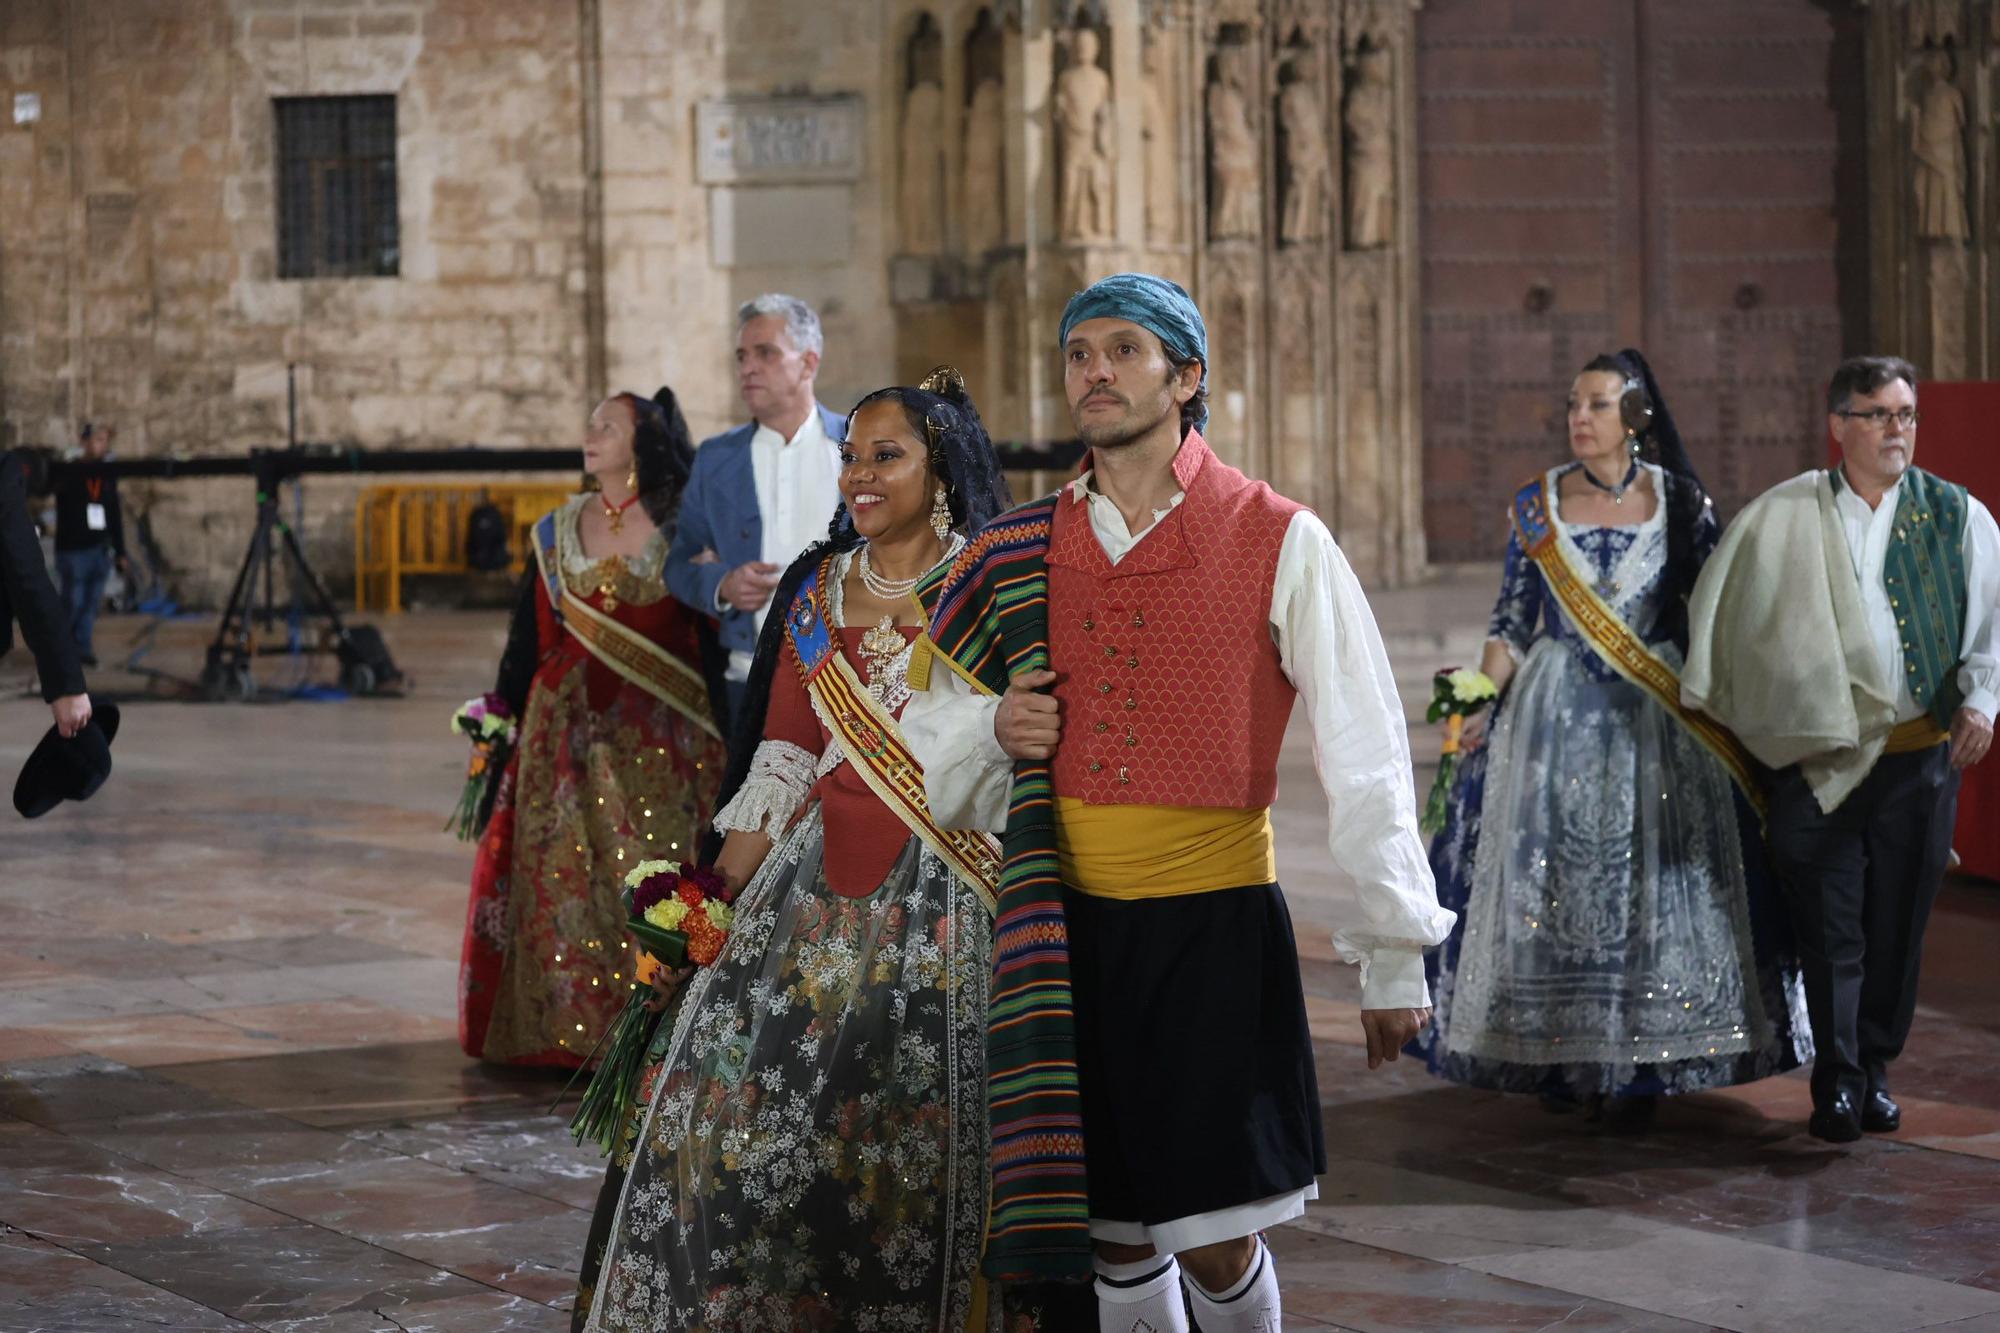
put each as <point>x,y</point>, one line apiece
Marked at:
<point>1161,851</point>
<point>1919,733</point>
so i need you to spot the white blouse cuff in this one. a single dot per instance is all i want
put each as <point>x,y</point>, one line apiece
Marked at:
<point>781,774</point>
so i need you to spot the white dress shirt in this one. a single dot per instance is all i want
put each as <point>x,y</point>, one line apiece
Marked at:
<point>798,488</point>
<point>1868,532</point>
<point>1331,651</point>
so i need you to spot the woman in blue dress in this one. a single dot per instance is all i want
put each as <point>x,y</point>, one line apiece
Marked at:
<point>1619,934</point>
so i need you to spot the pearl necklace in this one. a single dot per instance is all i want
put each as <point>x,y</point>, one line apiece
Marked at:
<point>895,590</point>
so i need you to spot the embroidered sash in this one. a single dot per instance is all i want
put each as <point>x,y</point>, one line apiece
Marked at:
<point>872,740</point>
<point>1613,640</point>
<point>633,657</point>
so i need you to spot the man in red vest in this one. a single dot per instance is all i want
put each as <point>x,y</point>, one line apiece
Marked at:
<point>1188,607</point>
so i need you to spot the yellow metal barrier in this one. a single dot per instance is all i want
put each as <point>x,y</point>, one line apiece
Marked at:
<point>402,530</point>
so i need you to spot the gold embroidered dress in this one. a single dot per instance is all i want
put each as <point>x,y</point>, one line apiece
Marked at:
<point>606,773</point>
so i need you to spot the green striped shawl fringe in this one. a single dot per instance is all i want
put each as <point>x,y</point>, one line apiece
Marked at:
<point>991,620</point>
<point>1925,578</point>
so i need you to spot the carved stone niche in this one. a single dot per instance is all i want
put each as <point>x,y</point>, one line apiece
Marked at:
<point>1305,164</point>
<point>920,163</point>
<point>1160,130</point>
<point>1086,131</point>
<point>1234,152</point>
<point>1368,123</point>
<point>982,212</point>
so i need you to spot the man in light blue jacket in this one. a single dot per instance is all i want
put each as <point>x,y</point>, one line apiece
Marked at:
<point>761,493</point>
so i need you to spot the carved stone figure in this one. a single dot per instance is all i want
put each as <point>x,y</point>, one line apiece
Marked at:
<point>1935,22</point>
<point>1232,156</point>
<point>1083,112</point>
<point>921,197</point>
<point>1371,166</point>
<point>1161,129</point>
<point>1299,116</point>
<point>1938,147</point>
<point>983,211</point>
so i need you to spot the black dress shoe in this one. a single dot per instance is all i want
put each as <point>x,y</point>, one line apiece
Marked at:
<point>1879,1112</point>
<point>1838,1121</point>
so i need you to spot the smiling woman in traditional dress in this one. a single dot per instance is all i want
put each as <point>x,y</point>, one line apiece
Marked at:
<point>814,1148</point>
<point>1619,932</point>
<point>619,756</point>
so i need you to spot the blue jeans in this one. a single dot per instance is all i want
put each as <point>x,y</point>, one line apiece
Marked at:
<point>83,576</point>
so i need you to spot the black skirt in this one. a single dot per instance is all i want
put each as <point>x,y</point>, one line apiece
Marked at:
<point>1193,1053</point>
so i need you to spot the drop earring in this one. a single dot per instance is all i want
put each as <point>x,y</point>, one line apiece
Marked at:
<point>941,514</point>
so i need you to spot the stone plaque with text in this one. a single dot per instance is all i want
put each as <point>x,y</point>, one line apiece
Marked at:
<point>752,140</point>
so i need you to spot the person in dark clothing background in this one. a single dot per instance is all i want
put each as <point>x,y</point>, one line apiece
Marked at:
<point>27,596</point>
<point>90,537</point>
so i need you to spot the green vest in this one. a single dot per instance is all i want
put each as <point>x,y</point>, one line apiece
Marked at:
<point>1924,575</point>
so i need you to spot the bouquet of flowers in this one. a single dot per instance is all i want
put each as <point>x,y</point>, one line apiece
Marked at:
<point>1456,694</point>
<point>488,722</point>
<point>679,915</point>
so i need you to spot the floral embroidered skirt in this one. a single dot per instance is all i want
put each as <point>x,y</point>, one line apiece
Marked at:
<point>813,1154</point>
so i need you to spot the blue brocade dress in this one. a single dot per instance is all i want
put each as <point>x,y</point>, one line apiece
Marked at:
<point>1619,929</point>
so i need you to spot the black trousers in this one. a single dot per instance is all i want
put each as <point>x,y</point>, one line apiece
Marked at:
<point>1860,882</point>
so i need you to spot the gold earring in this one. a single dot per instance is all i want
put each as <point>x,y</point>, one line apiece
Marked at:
<point>632,479</point>
<point>941,514</point>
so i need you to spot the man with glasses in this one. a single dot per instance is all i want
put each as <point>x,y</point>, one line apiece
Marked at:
<point>1845,630</point>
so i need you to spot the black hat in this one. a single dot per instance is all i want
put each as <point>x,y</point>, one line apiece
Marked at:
<point>68,770</point>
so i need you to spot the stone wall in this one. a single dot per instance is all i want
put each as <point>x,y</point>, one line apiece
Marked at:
<point>942,175</point>
<point>137,241</point>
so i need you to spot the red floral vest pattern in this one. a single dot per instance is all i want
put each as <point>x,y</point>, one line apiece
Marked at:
<point>1171,688</point>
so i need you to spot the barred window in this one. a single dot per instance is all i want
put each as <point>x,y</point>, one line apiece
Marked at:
<point>337,187</point>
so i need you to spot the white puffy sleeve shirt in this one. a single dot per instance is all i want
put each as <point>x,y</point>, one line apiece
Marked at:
<point>1331,651</point>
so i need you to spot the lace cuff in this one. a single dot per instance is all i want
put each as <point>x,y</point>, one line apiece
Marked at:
<point>781,774</point>
<point>1514,650</point>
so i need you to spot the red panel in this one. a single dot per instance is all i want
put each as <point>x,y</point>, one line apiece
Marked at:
<point>1956,441</point>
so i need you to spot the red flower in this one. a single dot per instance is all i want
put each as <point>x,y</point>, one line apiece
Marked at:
<point>688,893</point>
<point>654,889</point>
<point>710,882</point>
<point>704,940</point>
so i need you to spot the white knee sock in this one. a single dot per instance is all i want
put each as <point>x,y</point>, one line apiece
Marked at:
<point>1140,1298</point>
<point>1250,1305</point>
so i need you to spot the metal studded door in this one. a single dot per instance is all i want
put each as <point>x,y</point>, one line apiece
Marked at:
<point>1673,174</point>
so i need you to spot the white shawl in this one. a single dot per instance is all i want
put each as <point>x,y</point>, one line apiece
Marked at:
<point>1779,648</point>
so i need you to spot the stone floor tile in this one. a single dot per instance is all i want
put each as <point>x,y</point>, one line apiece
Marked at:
<point>141,1040</point>
<point>44,1287</point>
<point>118,1200</point>
<point>523,1149</point>
<point>486,1312</point>
<point>1365,1288</point>
<point>266,1275</point>
<point>370,1084</point>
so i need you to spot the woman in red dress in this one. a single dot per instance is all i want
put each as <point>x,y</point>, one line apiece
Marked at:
<point>619,755</point>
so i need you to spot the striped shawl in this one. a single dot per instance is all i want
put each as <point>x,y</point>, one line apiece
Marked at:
<point>989,623</point>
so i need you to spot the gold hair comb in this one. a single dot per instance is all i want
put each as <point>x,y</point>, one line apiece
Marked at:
<point>941,380</point>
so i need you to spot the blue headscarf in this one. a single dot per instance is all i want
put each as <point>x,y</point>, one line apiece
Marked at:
<point>1161,307</point>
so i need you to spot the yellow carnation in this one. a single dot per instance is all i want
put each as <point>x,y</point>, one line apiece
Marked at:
<point>667,915</point>
<point>645,870</point>
<point>1469,686</point>
<point>719,914</point>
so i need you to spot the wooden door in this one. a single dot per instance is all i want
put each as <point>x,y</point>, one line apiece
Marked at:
<point>1666,174</point>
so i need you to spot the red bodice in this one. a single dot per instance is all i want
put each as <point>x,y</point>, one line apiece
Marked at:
<point>863,836</point>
